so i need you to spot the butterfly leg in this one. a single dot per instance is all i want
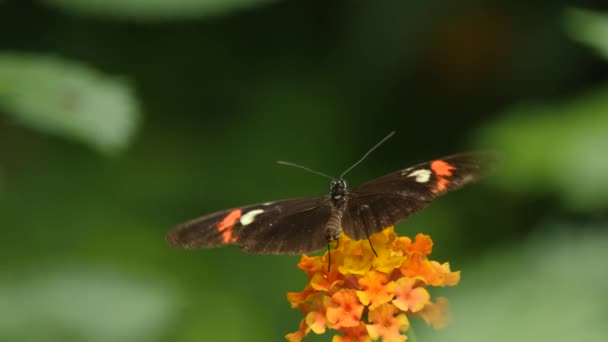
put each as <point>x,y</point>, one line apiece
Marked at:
<point>328,258</point>
<point>329,253</point>
<point>372,246</point>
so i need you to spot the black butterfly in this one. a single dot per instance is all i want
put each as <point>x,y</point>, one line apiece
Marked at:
<point>303,225</point>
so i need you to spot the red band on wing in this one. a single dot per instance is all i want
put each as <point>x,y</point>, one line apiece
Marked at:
<point>227,224</point>
<point>442,170</point>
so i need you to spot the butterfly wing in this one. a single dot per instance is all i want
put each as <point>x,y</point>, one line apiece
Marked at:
<point>386,200</point>
<point>290,226</point>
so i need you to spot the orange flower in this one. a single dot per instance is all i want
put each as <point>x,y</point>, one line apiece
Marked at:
<point>408,298</point>
<point>297,336</point>
<point>298,299</point>
<point>347,309</point>
<point>436,314</point>
<point>387,323</point>
<point>423,244</point>
<point>316,318</point>
<point>354,334</point>
<point>310,265</point>
<point>367,296</point>
<point>324,281</point>
<point>417,265</point>
<point>443,276</point>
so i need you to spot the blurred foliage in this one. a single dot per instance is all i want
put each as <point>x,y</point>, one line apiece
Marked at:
<point>571,133</point>
<point>545,287</point>
<point>589,27</point>
<point>572,137</point>
<point>76,304</point>
<point>315,83</point>
<point>153,10</point>
<point>68,99</point>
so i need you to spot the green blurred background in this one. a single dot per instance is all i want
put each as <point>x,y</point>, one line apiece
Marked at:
<point>119,119</point>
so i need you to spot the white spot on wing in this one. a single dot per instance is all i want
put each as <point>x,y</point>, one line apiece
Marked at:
<point>422,175</point>
<point>250,216</point>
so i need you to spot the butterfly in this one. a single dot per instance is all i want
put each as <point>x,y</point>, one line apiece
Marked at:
<point>303,225</point>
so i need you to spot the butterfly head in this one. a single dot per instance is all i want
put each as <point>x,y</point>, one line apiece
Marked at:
<point>338,188</point>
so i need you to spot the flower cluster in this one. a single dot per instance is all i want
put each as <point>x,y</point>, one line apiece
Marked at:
<point>370,295</point>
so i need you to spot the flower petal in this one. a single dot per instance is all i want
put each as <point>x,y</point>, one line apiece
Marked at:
<point>357,257</point>
<point>436,314</point>
<point>297,299</point>
<point>387,324</point>
<point>375,289</point>
<point>422,244</point>
<point>324,281</point>
<point>408,297</point>
<point>297,336</point>
<point>310,264</point>
<point>354,334</point>
<point>443,275</point>
<point>346,310</point>
<point>417,265</point>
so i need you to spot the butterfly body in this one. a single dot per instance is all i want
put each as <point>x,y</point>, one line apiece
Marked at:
<point>303,225</point>
<point>338,199</point>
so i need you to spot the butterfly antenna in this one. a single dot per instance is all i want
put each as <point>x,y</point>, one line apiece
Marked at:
<point>368,152</point>
<point>305,168</point>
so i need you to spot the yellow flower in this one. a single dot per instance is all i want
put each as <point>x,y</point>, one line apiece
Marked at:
<point>368,296</point>
<point>353,257</point>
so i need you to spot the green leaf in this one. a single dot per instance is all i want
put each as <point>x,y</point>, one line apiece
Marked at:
<point>588,27</point>
<point>67,99</point>
<point>151,10</point>
<point>557,148</point>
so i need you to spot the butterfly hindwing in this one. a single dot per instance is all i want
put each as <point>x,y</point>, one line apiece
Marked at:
<point>369,213</point>
<point>394,197</point>
<point>288,226</point>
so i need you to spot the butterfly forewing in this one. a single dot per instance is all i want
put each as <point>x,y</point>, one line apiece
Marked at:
<point>389,199</point>
<point>287,226</point>
<point>434,177</point>
<point>297,227</point>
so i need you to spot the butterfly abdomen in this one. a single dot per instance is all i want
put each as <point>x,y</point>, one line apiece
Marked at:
<point>333,228</point>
